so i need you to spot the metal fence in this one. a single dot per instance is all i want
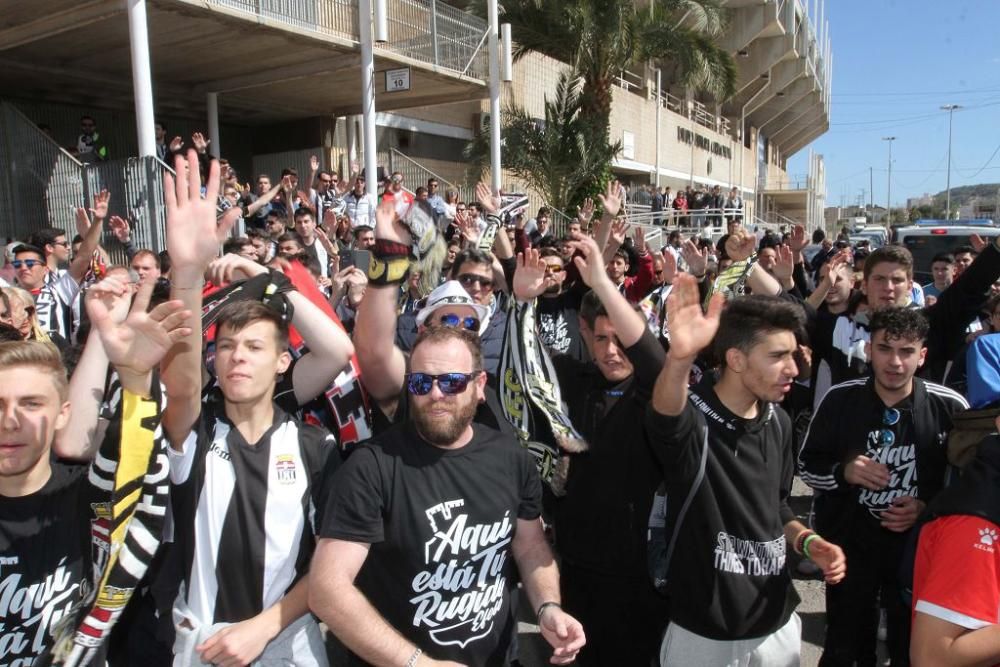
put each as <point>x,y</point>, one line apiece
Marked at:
<point>41,185</point>
<point>425,30</point>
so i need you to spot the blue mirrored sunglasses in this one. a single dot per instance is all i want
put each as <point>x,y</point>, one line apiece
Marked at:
<point>452,321</point>
<point>420,384</point>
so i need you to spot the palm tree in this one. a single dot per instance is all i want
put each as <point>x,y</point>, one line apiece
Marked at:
<point>560,158</point>
<point>601,38</point>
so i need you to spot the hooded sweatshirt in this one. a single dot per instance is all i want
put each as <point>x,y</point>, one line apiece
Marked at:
<point>728,563</point>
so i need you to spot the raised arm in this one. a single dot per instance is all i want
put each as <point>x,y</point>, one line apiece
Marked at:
<point>91,233</point>
<point>611,203</point>
<point>193,241</point>
<point>84,432</point>
<point>382,363</point>
<point>691,330</point>
<point>263,200</point>
<point>330,347</point>
<point>628,324</point>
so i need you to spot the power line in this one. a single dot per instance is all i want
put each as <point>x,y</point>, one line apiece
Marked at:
<point>985,166</point>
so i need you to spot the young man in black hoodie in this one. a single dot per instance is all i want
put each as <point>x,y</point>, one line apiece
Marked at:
<point>600,522</point>
<point>875,452</point>
<point>728,459</point>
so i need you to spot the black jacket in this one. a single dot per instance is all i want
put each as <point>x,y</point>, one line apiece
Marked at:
<point>727,576</point>
<point>955,308</point>
<point>849,422</point>
<point>601,521</point>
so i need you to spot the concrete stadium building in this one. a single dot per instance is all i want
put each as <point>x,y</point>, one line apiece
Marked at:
<point>275,81</point>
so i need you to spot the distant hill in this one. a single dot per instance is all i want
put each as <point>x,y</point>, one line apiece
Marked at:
<point>962,194</point>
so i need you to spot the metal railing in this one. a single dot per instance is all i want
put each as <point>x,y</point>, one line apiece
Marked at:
<point>425,30</point>
<point>794,182</point>
<point>42,185</point>
<point>416,175</point>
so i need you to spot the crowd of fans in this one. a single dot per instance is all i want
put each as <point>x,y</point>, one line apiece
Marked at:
<point>322,427</point>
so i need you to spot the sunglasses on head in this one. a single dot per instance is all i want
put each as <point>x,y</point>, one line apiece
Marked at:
<point>30,263</point>
<point>420,384</point>
<point>469,279</point>
<point>453,321</point>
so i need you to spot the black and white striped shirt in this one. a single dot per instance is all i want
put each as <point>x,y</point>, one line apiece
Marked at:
<point>54,303</point>
<point>245,513</point>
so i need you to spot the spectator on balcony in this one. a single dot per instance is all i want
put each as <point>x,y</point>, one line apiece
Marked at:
<point>716,201</point>
<point>656,206</point>
<point>434,198</point>
<point>89,144</point>
<point>397,194</point>
<point>734,206</point>
<point>359,206</point>
<point>680,206</point>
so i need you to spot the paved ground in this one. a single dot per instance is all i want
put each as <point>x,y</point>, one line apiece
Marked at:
<point>534,651</point>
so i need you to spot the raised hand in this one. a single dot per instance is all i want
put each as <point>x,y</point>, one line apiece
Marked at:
<point>314,163</point>
<point>530,279</point>
<point>669,267</point>
<point>100,209</point>
<point>611,200</point>
<point>137,344</point>
<point>489,201</point>
<point>797,240</point>
<point>619,229</point>
<point>176,144</point>
<point>740,245</point>
<point>784,264</point>
<point>978,243</point>
<point>639,236</point>
<point>83,221</point>
<point>589,261</point>
<point>200,142</point>
<point>468,228</point>
<point>691,329</point>
<point>286,186</point>
<point>193,234</point>
<point>695,257</point>
<point>114,295</point>
<point>120,228</point>
<point>586,212</point>
<point>232,267</point>
<point>387,225</point>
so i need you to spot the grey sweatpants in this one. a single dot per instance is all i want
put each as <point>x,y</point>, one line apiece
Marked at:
<point>682,648</point>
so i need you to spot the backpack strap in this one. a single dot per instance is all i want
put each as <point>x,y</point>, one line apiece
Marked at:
<point>687,501</point>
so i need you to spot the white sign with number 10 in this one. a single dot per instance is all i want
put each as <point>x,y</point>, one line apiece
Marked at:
<point>397,80</point>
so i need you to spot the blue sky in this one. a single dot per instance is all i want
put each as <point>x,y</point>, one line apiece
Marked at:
<point>895,62</point>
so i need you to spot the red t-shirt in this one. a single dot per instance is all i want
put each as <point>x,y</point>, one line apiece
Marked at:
<point>957,572</point>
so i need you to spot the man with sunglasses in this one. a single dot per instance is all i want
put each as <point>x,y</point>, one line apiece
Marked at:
<point>558,308</point>
<point>359,205</point>
<point>426,525</point>
<point>875,453</point>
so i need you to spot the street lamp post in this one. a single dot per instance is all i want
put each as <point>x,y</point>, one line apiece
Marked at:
<point>888,210</point>
<point>950,108</point>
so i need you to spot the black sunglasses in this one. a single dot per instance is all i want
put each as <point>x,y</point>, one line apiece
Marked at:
<point>468,279</point>
<point>420,384</point>
<point>453,321</point>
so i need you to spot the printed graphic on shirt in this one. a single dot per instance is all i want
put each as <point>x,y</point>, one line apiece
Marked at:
<point>901,460</point>
<point>554,332</point>
<point>987,538</point>
<point>754,559</point>
<point>30,611</point>
<point>461,590</point>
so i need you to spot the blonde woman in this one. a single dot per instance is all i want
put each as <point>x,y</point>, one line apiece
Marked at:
<point>19,311</point>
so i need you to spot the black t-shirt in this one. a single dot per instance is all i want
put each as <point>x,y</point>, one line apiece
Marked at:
<point>440,524</point>
<point>559,325</point>
<point>45,562</point>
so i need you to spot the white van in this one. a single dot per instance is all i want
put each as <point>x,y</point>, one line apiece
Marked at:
<point>927,238</point>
